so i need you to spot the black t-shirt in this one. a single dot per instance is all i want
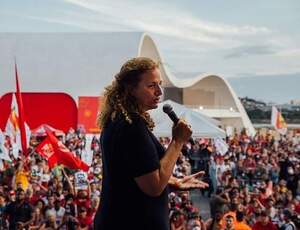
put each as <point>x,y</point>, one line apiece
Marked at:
<point>18,213</point>
<point>130,151</point>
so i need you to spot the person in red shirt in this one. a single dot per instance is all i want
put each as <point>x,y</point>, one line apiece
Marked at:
<point>264,223</point>
<point>85,221</point>
<point>82,199</point>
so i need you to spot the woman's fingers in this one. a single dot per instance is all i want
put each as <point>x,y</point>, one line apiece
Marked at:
<point>197,174</point>
<point>182,131</point>
<point>193,183</point>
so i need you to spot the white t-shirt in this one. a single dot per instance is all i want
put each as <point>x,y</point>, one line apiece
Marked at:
<point>59,214</point>
<point>45,177</point>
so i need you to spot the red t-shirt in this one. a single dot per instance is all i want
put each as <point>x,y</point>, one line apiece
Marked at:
<point>34,199</point>
<point>297,209</point>
<point>83,203</point>
<point>259,226</point>
<point>87,221</point>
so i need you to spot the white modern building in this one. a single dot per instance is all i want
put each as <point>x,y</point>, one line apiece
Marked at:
<point>82,64</point>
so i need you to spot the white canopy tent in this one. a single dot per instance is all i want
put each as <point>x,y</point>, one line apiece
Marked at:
<point>202,125</point>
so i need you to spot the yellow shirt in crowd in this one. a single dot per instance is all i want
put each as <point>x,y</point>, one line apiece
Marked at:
<point>21,177</point>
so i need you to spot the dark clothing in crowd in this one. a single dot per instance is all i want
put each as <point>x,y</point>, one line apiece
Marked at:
<point>18,213</point>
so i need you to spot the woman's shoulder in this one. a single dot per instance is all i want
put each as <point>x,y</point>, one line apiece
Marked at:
<point>130,121</point>
<point>122,124</point>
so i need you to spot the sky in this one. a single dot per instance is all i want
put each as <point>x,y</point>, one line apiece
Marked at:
<point>232,38</point>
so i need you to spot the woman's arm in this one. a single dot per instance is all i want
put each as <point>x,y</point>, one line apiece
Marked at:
<point>154,183</point>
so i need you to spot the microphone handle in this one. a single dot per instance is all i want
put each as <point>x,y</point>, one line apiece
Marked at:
<point>175,119</point>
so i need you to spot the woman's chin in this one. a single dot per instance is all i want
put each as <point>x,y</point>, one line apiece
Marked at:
<point>152,107</point>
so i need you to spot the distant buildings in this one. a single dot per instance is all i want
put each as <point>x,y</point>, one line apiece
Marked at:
<point>260,112</point>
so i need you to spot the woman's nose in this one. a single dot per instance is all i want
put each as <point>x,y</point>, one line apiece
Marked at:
<point>158,90</point>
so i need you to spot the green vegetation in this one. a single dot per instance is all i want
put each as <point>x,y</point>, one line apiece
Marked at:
<point>260,112</point>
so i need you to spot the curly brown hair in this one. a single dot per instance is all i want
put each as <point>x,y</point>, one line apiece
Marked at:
<point>117,96</point>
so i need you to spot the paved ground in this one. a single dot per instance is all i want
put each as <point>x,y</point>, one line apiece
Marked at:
<point>202,203</point>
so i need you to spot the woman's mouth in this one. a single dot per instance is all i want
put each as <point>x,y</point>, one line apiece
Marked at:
<point>157,100</point>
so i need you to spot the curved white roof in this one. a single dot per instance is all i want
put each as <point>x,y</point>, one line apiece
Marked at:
<point>82,64</point>
<point>225,93</point>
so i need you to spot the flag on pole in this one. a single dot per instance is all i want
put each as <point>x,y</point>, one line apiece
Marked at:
<point>46,150</point>
<point>12,128</point>
<point>21,114</point>
<point>278,122</point>
<point>63,154</point>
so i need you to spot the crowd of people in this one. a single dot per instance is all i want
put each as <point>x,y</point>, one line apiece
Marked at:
<point>254,185</point>
<point>33,196</point>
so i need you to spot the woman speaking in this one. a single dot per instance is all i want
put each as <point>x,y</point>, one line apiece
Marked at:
<point>136,168</point>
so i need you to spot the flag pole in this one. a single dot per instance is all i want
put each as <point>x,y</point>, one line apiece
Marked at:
<point>21,112</point>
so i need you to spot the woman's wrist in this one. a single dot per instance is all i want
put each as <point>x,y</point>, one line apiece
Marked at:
<point>177,144</point>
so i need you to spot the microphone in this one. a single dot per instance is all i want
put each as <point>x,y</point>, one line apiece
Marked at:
<point>172,115</point>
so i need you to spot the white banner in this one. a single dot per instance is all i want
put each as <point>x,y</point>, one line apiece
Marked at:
<point>4,155</point>
<point>81,180</point>
<point>221,146</point>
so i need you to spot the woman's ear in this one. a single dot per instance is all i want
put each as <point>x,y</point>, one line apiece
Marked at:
<point>131,91</point>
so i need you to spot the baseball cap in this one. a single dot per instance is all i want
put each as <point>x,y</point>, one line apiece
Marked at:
<point>12,193</point>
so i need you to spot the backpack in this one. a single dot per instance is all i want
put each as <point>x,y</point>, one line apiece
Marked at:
<point>284,227</point>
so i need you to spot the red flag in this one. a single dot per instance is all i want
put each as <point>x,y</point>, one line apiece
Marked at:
<point>21,114</point>
<point>64,156</point>
<point>88,108</point>
<point>46,150</point>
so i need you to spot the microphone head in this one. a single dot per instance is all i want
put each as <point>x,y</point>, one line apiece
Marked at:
<point>167,108</point>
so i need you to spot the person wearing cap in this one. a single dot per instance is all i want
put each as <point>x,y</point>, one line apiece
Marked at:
<point>12,196</point>
<point>264,223</point>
